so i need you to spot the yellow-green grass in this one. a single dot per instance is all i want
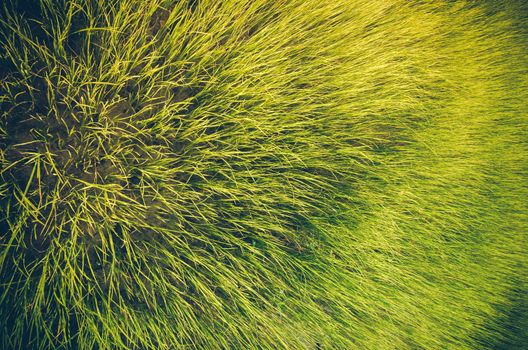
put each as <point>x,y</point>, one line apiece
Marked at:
<point>287,174</point>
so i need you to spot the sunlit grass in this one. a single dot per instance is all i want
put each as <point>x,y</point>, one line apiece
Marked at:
<point>258,174</point>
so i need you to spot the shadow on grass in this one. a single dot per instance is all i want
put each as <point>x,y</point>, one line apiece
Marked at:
<point>516,326</point>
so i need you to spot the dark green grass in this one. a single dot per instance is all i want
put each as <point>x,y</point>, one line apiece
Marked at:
<point>262,174</point>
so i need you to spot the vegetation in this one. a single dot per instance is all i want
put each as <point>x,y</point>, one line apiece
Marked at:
<point>252,174</point>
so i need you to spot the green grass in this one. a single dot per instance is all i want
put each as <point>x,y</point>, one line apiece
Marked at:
<point>287,174</point>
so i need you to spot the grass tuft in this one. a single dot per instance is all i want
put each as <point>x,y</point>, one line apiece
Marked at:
<point>300,174</point>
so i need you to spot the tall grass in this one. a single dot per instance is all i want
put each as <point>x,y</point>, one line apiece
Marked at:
<point>288,174</point>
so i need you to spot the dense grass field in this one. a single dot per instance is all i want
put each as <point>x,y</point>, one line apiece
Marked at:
<point>263,174</point>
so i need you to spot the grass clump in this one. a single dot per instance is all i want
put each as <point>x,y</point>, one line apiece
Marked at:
<point>339,174</point>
